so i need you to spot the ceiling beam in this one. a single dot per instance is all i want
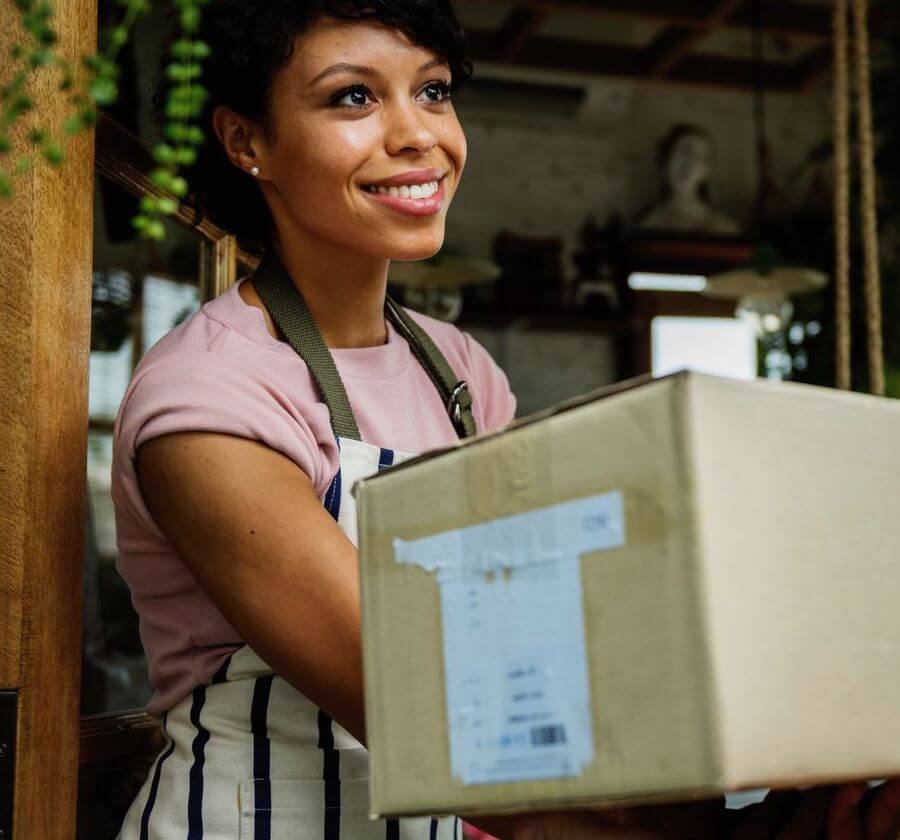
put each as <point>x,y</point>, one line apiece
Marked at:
<point>676,42</point>
<point>624,62</point>
<point>786,17</point>
<point>520,24</point>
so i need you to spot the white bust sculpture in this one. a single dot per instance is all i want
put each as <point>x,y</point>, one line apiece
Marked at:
<point>686,158</point>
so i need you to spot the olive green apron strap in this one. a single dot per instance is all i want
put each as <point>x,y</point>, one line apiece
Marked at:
<point>289,310</point>
<point>453,391</point>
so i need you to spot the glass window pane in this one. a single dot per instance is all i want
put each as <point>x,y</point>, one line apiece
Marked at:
<point>141,290</point>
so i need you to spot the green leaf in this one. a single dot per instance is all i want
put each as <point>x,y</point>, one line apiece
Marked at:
<point>155,230</point>
<point>190,18</point>
<point>185,156</point>
<point>195,135</point>
<point>176,110</point>
<point>179,187</point>
<point>104,91</point>
<point>5,144</point>
<point>37,135</point>
<point>40,58</point>
<point>118,36</point>
<point>23,164</point>
<point>17,51</point>
<point>54,154</point>
<point>164,153</point>
<point>148,203</point>
<point>182,48</point>
<point>162,178</point>
<point>88,116</point>
<point>175,131</point>
<point>72,125</point>
<point>167,206</point>
<point>6,189</point>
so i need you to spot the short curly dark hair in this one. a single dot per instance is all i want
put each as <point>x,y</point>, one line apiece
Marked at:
<point>250,41</point>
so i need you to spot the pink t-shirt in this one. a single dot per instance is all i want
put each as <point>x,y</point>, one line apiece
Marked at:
<point>221,371</point>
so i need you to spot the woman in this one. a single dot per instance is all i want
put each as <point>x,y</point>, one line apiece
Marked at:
<point>241,432</point>
<point>229,440</point>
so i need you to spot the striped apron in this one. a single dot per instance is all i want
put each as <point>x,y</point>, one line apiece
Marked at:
<point>248,757</point>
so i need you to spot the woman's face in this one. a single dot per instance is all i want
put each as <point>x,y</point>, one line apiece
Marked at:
<point>337,130</point>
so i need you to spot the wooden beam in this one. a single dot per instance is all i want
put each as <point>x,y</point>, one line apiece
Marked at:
<point>782,18</point>
<point>676,42</point>
<point>45,340</point>
<point>125,160</point>
<point>618,61</point>
<point>519,26</point>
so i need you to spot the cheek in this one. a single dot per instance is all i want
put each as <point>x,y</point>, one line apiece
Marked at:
<point>328,157</point>
<point>456,145</point>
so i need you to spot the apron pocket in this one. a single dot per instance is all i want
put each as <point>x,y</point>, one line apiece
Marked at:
<point>297,808</point>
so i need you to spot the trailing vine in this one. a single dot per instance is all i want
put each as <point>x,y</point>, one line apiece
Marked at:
<point>98,86</point>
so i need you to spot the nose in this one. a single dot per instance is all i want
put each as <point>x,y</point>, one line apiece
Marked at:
<point>409,127</point>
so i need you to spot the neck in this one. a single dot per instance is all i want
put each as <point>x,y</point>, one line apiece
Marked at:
<point>344,290</point>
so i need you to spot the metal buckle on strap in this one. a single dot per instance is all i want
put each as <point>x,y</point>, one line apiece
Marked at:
<point>455,405</point>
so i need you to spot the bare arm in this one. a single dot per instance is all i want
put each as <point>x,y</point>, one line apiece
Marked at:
<point>248,524</point>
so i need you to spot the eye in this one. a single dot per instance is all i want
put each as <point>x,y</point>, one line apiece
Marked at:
<point>442,87</point>
<point>354,90</point>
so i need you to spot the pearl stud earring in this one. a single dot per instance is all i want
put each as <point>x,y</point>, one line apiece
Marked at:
<point>254,170</point>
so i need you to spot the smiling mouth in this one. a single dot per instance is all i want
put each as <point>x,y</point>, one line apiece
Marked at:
<point>414,191</point>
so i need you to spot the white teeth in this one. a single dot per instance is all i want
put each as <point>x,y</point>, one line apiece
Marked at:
<point>407,191</point>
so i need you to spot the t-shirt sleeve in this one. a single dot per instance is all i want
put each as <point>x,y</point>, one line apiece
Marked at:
<point>208,392</point>
<point>493,401</point>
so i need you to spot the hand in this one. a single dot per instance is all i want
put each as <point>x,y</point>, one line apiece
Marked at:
<point>848,812</point>
<point>858,812</point>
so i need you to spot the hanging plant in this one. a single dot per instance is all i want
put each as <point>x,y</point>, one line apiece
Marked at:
<point>98,86</point>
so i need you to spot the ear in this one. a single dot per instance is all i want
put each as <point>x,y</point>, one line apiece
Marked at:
<point>241,138</point>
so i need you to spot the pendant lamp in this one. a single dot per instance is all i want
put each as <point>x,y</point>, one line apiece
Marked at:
<point>763,288</point>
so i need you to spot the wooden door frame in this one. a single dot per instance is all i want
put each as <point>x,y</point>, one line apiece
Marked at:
<point>45,327</point>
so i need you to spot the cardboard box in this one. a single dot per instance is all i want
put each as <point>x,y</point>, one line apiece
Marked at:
<point>667,589</point>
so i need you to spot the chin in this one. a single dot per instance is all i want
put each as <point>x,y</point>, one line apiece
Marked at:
<point>418,250</point>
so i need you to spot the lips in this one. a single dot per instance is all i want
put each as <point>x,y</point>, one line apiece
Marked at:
<point>414,176</point>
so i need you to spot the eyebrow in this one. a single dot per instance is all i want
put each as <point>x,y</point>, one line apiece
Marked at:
<point>343,67</point>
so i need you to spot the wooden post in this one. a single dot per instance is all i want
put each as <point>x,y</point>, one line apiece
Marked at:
<point>45,312</point>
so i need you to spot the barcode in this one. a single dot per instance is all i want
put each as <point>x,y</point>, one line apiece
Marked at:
<point>542,736</point>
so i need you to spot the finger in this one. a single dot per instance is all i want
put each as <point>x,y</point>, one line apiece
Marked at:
<point>843,820</point>
<point>808,820</point>
<point>882,816</point>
